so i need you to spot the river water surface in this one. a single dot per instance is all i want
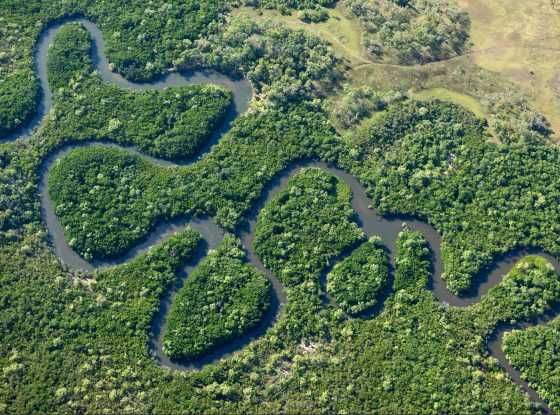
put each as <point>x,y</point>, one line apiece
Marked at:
<point>368,219</point>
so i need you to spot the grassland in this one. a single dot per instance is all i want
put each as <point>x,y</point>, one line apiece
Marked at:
<point>519,41</point>
<point>457,80</point>
<point>457,98</point>
<point>514,44</point>
<point>341,30</point>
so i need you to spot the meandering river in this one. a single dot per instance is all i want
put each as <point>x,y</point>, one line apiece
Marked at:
<point>368,219</point>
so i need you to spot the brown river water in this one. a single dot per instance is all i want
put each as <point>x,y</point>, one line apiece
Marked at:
<point>368,219</point>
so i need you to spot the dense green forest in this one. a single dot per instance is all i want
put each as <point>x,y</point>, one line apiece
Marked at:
<point>80,342</point>
<point>104,223</point>
<point>172,124</point>
<point>290,4</point>
<point>82,338</point>
<point>310,10</point>
<point>412,262</point>
<point>283,65</point>
<point>70,56</point>
<point>423,355</point>
<point>141,43</point>
<point>432,160</point>
<point>222,299</point>
<point>535,352</point>
<point>357,282</point>
<point>115,181</point>
<point>529,290</point>
<point>19,99</point>
<point>286,236</point>
<point>150,40</point>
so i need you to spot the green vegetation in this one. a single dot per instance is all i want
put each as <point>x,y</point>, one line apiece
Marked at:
<point>306,319</point>
<point>69,56</point>
<point>411,31</point>
<point>56,314</point>
<point>354,105</point>
<point>413,261</point>
<point>137,286</point>
<point>145,40</point>
<point>306,227</point>
<point>535,352</point>
<point>19,88</point>
<point>341,29</point>
<point>108,199</point>
<point>283,65</point>
<point>444,94</point>
<point>313,15</point>
<point>141,43</point>
<point>531,289</point>
<point>286,5</point>
<point>514,119</point>
<point>222,299</point>
<point>357,282</point>
<point>431,160</point>
<point>510,114</point>
<point>418,353</point>
<point>82,338</point>
<point>19,99</point>
<point>79,343</point>
<point>172,124</point>
<point>308,224</point>
<point>112,179</point>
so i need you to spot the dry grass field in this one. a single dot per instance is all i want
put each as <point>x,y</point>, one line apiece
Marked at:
<point>520,40</point>
<point>513,41</point>
<point>340,30</point>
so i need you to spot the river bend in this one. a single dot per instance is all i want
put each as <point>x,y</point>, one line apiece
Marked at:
<point>368,219</point>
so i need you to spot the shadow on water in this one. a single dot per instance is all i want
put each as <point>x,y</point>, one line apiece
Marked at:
<point>159,323</point>
<point>372,224</point>
<point>241,88</point>
<point>495,346</point>
<point>387,228</point>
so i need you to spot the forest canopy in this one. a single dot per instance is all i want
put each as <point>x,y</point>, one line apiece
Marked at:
<point>358,327</point>
<point>357,282</point>
<point>141,44</point>
<point>222,300</point>
<point>431,160</point>
<point>305,226</point>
